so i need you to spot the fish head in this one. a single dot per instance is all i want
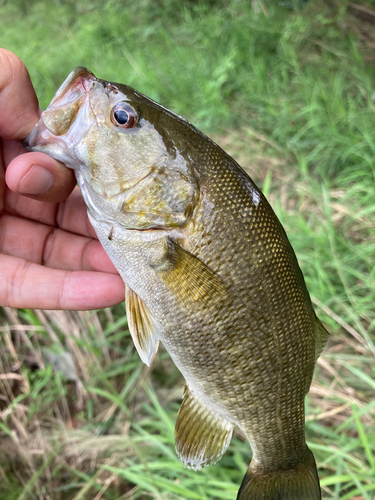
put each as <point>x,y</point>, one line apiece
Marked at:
<point>123,148</point>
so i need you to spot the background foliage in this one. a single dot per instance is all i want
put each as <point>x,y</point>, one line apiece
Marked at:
<point>287,88</point>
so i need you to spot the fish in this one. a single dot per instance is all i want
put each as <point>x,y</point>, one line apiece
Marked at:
<point>208,271</point>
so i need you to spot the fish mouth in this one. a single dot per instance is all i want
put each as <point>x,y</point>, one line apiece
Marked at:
<point>59,116</point>
<point>76,84</point>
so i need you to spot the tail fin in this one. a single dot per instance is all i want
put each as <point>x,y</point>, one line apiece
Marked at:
<point>301,483</point>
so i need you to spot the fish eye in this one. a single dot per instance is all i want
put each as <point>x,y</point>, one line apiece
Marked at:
<point>123,115</point>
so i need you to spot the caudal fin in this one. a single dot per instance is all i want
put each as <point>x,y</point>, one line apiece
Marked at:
<point>301,483</point>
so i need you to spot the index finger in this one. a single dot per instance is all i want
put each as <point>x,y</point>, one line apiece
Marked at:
<point>18,101</point>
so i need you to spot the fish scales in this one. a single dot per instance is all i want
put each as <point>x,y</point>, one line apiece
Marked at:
<point>285,282</point>
<point>209,272</point>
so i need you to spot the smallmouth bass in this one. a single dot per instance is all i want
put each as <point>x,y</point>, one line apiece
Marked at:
<point>209,272</point>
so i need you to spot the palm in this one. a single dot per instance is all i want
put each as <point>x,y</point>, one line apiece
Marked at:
<point>49,252</point>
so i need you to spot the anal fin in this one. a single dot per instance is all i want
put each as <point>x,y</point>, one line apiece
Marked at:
<point>201,436</point>
<point>143,327</point>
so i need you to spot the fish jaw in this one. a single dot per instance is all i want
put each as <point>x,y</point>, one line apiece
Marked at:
<point>77,83</point>
<point>55,133</point>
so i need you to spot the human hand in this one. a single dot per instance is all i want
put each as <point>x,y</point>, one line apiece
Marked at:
<point>49,255</point>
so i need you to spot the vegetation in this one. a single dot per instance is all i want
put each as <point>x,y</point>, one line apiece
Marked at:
<point>288,89</point>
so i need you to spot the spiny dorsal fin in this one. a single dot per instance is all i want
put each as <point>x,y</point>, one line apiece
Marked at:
<point>143,327</point>
<point>321,337</point>
<point>188,277</point>
<point>201,436</point>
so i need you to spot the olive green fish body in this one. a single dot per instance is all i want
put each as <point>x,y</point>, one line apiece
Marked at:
<point>209,272</point>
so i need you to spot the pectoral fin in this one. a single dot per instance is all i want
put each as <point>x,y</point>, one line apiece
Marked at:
<point>143,327</point>
<point>188,277</point>
<point>201,436</point>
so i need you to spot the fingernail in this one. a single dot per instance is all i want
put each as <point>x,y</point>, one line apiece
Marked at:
<point>38,180</point>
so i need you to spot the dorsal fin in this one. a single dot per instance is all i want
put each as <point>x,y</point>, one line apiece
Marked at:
<point>201,435</point>
<point>144,329</point>
<point>321,337</point>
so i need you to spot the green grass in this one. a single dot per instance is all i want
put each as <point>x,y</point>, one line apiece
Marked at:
<point>290,94</point>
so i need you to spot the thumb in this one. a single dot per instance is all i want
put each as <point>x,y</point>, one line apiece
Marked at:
<point>18,102</point>
<point>39,176</point>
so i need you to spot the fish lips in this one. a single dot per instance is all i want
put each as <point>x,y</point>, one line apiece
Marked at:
<point>59,116</point>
